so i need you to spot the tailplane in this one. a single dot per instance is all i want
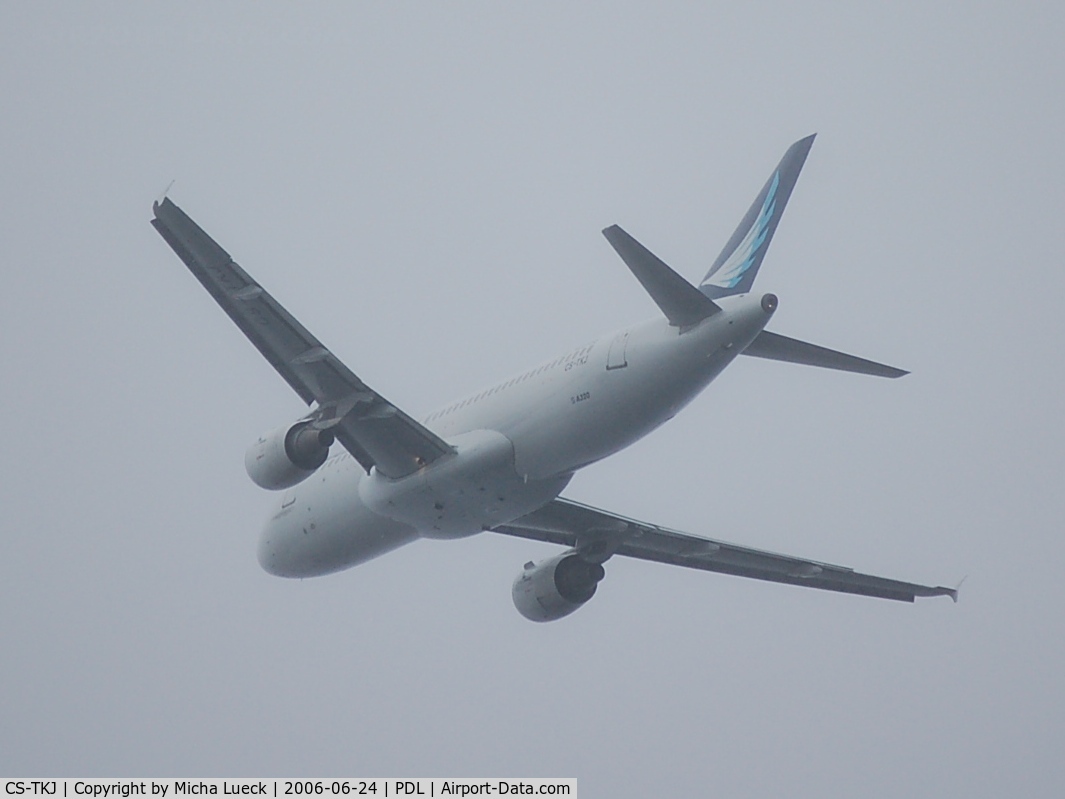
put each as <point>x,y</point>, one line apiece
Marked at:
<point>679,300</point>
<point>781,348</point>
<point>735,269</point>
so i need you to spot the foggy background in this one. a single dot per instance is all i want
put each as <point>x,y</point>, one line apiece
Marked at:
<point>423,185</point>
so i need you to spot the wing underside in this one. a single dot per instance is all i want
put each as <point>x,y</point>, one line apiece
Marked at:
<point>598,534</point>
<point>373,430</point>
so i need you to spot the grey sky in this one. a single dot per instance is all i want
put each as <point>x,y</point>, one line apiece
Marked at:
<point>423,186</point>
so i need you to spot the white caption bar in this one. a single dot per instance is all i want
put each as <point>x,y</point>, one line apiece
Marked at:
<point>375,788</point>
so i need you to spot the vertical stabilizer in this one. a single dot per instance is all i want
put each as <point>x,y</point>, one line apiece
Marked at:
<point>735,269</point>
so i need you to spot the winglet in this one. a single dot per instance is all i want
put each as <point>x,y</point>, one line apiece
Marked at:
<point>682,303</point>
<point>954,591</point>
<point>939,590</point>
<point>166,191</point>
<point>736,267</point>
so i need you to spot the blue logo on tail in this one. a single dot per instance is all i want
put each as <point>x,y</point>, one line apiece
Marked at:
<point>743,257</point>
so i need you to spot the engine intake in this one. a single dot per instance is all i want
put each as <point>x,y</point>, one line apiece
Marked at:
<point>555,587</point>
<point>286,456</point>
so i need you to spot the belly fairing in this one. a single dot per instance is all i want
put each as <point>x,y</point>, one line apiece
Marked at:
<point>341,517</point>
<point>322,526</point>
<point>474,489</point>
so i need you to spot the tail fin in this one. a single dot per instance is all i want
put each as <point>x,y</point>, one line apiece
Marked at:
<point>735,269</point>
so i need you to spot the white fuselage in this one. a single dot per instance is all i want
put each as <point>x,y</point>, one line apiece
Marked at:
<point>517,444</point>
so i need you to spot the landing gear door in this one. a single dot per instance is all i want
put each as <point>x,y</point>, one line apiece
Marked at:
<point>615,358</point>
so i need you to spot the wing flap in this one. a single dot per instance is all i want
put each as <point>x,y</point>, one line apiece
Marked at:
<point>572,524</point>
<point>373,430</point>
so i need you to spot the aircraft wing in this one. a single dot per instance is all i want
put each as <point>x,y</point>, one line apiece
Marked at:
<point>372,429</point>
<point>597,535</point>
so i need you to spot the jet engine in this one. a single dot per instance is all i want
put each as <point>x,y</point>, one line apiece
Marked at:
<point>555,587</point>
<point>287,455</point>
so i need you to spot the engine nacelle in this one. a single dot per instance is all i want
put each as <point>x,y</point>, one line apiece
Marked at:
<point>287,455</point>
<point>555,587</point>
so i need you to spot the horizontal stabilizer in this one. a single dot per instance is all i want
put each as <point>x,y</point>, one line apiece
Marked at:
<point>781,348</point>
<point>680,301</point>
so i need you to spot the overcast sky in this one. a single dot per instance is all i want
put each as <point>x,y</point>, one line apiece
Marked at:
<point>423,185</point>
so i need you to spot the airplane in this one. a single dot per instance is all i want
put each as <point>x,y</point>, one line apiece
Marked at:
<point>498,460</point>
